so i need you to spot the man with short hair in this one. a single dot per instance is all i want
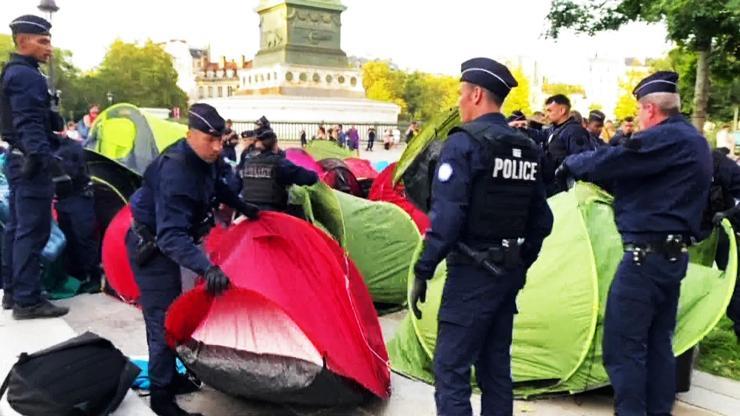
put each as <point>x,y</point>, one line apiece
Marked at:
<point>481,209</point>
<point>28,123</point>
<point>595,126</point>
<point>660,180</point>
<point>624,133</point>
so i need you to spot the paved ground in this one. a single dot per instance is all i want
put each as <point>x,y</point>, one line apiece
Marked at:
<point>124,326</point>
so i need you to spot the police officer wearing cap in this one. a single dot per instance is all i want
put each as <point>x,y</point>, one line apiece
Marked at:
<point>594,127</point>
<point>27,123</point>
<point>266,174</point>
<point>489,218</point>
<point>75,207</point>
<point>661,180</point>
<point>172,213</point>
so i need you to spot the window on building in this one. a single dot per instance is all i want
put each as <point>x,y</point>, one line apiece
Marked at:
<point>210,92</point>
<point>220,91</point>
<point>200,92</point>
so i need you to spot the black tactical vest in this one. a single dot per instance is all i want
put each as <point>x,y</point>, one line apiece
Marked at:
<point>500,199</point>
<point>260,184</point>
<point>7,132</point>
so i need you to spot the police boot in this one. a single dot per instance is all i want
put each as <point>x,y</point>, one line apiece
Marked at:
<point>162,402</point>
<point>185,384</point>
<point>8,300</point>
<point>43,309</point>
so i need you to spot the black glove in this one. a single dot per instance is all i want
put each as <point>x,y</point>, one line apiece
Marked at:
<point>718,217</point>
<point>248,210</point>
<point>216,281</point>
<point>418,294</point>
<point>34,164</point>
<point>562,173</point>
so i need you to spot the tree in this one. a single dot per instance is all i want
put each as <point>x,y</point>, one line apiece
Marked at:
<point>704,27</point>
<point>595,106</point>
<point>519,98</point>
<point>384,83</point>
<point>428,95</point>
<point>559,88</point>
<point>626,103</point>
<point>141,75</point>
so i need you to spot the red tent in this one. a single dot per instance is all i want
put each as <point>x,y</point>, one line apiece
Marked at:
<point>118,271</point>
<point>383,189</point>
<point>338,176</point>
<point>361,168</point>
<point>297,325</point>
<point>303,159</point>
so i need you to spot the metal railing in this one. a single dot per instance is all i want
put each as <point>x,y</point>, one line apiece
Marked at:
<point>290,131</point>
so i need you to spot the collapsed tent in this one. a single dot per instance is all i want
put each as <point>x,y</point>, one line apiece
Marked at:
<point>378,236</point>
<point>559,328</point>
<point>133,138</point>
<point>338,176</point>
<point>118,271</point>
<point>383,189</point>
<point>296,326</point>
<point>113,185</point>
<point>303,159</point>
<point>363,171</point>
<point>325,149</point>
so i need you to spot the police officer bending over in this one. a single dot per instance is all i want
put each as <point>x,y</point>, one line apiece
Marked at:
<point>27,123</point>
<point>489,217</point>
<point>172,213</point>
<point>661,181</point>
<point>267,174</point>
<point>75,208</point>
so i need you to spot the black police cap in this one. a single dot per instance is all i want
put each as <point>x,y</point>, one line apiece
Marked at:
<point>596,115</point>
<point>246,134</point>
<point>488,74</point>
<point>205,118</point>
<point>517,116</point>
<point>30,24</point>
<point>661,81</point>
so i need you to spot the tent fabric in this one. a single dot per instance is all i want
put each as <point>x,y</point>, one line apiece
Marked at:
<point>324,149</point>
<point>276,264</point>
<point>127,135</point>
<point>118,273</point>
<point>361,168</point>
<point>303,159</point>
<point>383,189</point>
<point>559,328</point>
<point>113,185</point>
<point>378,236</point>
<point>338,176</point>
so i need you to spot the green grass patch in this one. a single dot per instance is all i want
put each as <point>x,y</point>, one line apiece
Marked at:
<point>719,352</point>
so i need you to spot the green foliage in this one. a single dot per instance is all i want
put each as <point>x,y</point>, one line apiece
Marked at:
<point>626,103</point>
<point>719,352</point>
<point>520,97</point>
<point>595,106</point>
<point>565,89</point>
<point>384,83</point>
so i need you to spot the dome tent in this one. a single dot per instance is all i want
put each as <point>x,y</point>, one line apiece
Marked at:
<point>559,328</point>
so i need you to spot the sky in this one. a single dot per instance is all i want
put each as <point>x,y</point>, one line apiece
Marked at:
<point>428,35</point>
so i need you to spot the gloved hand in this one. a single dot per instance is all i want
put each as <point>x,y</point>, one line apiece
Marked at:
<point>216,281</point>
<point>418,294</point>
<point>248,210</point>
<point>718,217</point>
<point>34,164</point>
<point>562,173</point>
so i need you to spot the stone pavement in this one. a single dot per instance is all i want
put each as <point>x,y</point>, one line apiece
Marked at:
<point>124,325</point>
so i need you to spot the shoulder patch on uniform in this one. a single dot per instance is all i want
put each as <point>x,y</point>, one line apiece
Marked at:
<point>516,152</point>
<point>444,173</point>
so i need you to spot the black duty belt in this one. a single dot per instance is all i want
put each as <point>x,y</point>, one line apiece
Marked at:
<point>672,248</point>
<point>496,258</point>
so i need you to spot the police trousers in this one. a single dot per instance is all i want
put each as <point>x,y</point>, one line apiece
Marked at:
<point>160,284</point>
<point>26,231</point>
<point>475,329</point>
<point>638,331</point>
<point>76,216</point>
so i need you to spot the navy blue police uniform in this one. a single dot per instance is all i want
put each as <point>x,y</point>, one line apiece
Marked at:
<point>266,176</point>
<point>28,125</point>
<point>75,208</point>
<point>487,196</point>
<point>172,213</point>
<point>596,116</point>
<point>660,182</point>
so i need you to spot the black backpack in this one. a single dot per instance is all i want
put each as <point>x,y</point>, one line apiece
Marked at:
<point>85,376</point>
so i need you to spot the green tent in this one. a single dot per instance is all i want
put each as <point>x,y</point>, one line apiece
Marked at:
<point>379,237</point>
<point>326,149</point>
<point>559,328</point>
<point>127,135</point>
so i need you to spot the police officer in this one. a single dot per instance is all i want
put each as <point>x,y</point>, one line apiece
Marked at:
<point>565,137</point>
<point>27,124</point>
<point>267,174</point>
<point>661,181</point>
<point>489,217</point>
<point>75,208</point>
<point>172,213</point>
<point>595,126</point>
<point>725,190</point>
<point>625,132</point>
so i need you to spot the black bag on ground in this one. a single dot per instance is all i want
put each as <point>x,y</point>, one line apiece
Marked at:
<point>85,376</point>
